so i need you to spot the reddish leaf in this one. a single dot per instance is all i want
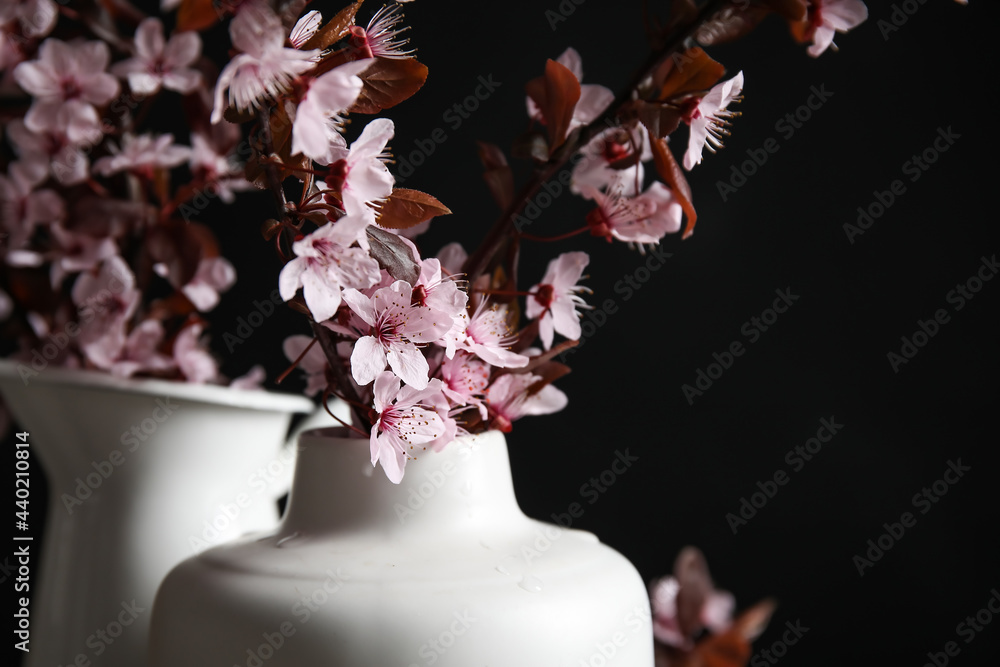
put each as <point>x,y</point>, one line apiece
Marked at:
<point>670,172</point>
<point>408,208</point>
<point>197,15</point>
<point>393,255</point>
<point>387,83</point>
<point>660,119</point>
<point>556,94</point>
<point>792,10</point>
<point>729,24</point>
<point>548,373</point>
<point>335,29</point>
<point>688,72</point>
<point>498,176</point>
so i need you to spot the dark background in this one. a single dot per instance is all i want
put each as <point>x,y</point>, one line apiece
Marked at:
<point>825,358</point>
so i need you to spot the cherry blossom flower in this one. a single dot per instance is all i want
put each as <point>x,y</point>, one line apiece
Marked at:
<point>687,602</point>
<point>594,99</point>
<point>359,173</point>
<point>61,147</point>
<point>395,328</point>
<point>315,131</point>
<point>192,357</point>
<point>709,119</point>
<point>510,397</point>
<point>324,264</point>
<point>314,362</point>
<point>265,68</point>
<point>225,176</point>
<point>305,28</point>
<point>140,354</point>
<point>161,63</point>
<point>639,220</point>
<point>78,252</point>
<point>452,257</point>
<point>105,302</point>
<point>382,35</point>
<point>36,18</point>
<point>826,17</point>
<point>594,170</point>
<point>436,291</point>
<point>487,335</point>
<point>403,422</point>
<point>252,381</point>
<point>22,207</point>
<point>69,75</point>
<point>556,299</point>
<point>213,276</point>
<point>465,379</point>
<point>142,155</point>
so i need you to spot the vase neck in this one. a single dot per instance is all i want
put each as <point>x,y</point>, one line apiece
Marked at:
<point>337,490</point>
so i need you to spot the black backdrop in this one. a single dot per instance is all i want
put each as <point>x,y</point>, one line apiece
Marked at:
<point>890,93</point>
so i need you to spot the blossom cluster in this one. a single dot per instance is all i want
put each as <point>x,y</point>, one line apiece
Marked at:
<point>101,266</point>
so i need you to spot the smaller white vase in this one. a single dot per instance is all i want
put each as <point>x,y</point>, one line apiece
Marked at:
<point>141,474</point>
<point>443,569</point>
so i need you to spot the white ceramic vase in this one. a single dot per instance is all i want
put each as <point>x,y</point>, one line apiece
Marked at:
<point>142,474</point>
<point>443,569</point>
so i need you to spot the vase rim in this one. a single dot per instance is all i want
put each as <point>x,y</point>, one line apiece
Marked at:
<point>252,399</point>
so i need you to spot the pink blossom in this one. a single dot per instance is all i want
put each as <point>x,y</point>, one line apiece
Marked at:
<point>452,258</point>
<point>709,120</point>
<point>65,75</point>
<point>213,276</point>
<point>687,602</point>
<point>140,351</point>
<point>404,422</point>
<point>142,155</point>
<point>313,364</point>
<point>220,172</point>
<point>487,336</point>
<point>265,68</point>
<point>192,357</point>
<point>594,166</point>
<point>640,220</point>
<point>593,100</point>
<point>22,207</point>
<point>829,16</point>
<point>555,300</point>
<point>383,34</point>
<point>305,28</point>
<point>510,397</point>
<point>161,63</point>
<point>324,264</point>
<point>61,147</point>
<point>252,381</point>
<point>436,291</point>
<point>105,302</point>
<point>395,327</point>
<point>361,173</point>
<point>465,379</point>
<point>78,252</point>
<point>36,18</point>
<point>315,130</point>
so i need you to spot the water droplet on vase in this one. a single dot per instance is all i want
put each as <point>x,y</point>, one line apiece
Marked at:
<point>531,584</point>
<point>284,540</point>
<point>502,570</point>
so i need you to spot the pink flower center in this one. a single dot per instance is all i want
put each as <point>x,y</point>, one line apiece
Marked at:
<point>70,88</point>
<point>545,295</point>
<point>689,109</point>
<point>614,151</point>
<point>336,175</point>
<point>599,225</point>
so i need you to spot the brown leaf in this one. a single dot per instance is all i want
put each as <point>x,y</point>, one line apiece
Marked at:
<point>387,82</point>
<point>688,72</point>
<point>660,119</point>
<point>335,29</point>
<point>670,172</point>
<point>393,255</point>
<point>792,10</point>
<point>498,175</point>
<point>556,94</point>
<point>407,208</point>
<point>197,15</point>
<point>548,373</point>
<point>729,24</point>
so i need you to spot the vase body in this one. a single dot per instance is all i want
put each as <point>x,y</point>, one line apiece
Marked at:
<point>141,475</point>
<point>441,569</point>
